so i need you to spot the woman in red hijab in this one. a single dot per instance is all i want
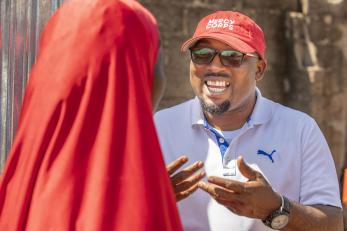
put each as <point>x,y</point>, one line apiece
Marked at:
<point>86,155</point>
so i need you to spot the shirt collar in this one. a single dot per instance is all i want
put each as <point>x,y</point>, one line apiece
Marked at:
<point>262,111</point>
<point>197,116</point>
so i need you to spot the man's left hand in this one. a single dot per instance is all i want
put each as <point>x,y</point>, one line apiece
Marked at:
<point>185,182</point>
<point>254,198</point>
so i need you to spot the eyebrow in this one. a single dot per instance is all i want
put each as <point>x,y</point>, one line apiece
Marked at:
<point>203,43</point>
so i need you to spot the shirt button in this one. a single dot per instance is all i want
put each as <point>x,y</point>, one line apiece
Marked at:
<point>223,148</point>
<point>228,158</point>
<point>221,140</point>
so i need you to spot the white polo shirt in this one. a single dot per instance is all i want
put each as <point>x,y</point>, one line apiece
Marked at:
<point>285,145</point>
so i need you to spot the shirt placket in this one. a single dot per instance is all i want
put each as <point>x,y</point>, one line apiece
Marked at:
<point>223,147</point>
<point>230,156</point>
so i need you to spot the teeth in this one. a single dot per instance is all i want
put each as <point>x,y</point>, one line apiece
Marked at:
<point>215,90</point>
<point>218,83</point>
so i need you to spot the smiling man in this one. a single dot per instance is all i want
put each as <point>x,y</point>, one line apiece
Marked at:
<point>268,166</point>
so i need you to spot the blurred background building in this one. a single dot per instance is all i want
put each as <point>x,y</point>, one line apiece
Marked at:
<point>21,22</point>
<point>306,53</point>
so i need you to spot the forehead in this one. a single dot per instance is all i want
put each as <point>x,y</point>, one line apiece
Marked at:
<point>212,43</point>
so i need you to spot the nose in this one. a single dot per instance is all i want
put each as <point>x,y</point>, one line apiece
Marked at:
<point>216,63</point>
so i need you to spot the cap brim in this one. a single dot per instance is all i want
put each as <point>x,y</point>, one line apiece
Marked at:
<point>233,42</point>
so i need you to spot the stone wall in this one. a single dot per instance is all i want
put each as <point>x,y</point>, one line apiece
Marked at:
<point>306,50</point>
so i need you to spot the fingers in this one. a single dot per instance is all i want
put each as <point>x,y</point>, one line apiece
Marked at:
<point>188,183</point>
<point>184,182</point>
<point>249,172</point>
<point>219,194</point>
<point>186,193</point>
<point>231,200</point>
<point>187,172</point>
<point>176,164</point>
<point>245,170</point>
<point>188,186</point>
<point>209,188</point>
<point>235,186</point>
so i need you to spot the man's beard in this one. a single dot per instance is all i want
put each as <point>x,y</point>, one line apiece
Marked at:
<point>215,109</point>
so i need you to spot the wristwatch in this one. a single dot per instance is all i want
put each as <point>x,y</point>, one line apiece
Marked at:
<point>279,218</point>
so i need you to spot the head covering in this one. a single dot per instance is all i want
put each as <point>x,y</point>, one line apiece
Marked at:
<point>233,28</point>
<point>86,155</point>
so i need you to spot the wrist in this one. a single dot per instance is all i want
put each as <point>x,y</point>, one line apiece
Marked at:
<point>279,218</point>
<point>275,204</point>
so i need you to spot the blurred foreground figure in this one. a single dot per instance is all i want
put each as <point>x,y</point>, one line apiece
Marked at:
<point>86,155</point>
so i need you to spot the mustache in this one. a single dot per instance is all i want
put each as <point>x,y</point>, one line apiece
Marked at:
<point>216,74</point>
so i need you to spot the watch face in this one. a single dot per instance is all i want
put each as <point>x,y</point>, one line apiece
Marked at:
<point>279,222</point>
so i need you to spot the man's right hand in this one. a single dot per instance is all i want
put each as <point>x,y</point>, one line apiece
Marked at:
<point>184,182</point>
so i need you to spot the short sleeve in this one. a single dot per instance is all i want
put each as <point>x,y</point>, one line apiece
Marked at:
<point>319,184</point>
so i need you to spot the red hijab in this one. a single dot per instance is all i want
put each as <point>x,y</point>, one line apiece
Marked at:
<point>86,155</point>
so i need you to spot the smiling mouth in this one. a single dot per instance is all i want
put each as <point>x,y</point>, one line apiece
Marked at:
<point>217,86</point>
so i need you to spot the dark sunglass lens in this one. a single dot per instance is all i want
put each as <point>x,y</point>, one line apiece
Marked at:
<point>202,56</point>
<point>231,58</point>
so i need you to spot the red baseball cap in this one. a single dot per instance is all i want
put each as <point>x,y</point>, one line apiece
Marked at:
<point>233,28</point>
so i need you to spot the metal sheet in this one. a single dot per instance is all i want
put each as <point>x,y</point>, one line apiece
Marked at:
<point>21,22</point>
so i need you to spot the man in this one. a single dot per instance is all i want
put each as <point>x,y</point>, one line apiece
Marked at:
<point>86,154</point>
<point>269,166</point>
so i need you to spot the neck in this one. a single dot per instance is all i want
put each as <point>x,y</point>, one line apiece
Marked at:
<point>233,119</point>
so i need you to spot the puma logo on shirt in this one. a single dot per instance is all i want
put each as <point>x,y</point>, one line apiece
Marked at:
<point>261,152</point>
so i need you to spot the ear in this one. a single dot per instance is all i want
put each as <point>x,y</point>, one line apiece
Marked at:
<point>261,66</point>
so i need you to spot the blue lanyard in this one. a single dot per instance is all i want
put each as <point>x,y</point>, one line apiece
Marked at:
<point>222,143</point>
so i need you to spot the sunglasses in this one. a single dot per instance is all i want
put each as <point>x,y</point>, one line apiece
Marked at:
<point>229,58</point>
